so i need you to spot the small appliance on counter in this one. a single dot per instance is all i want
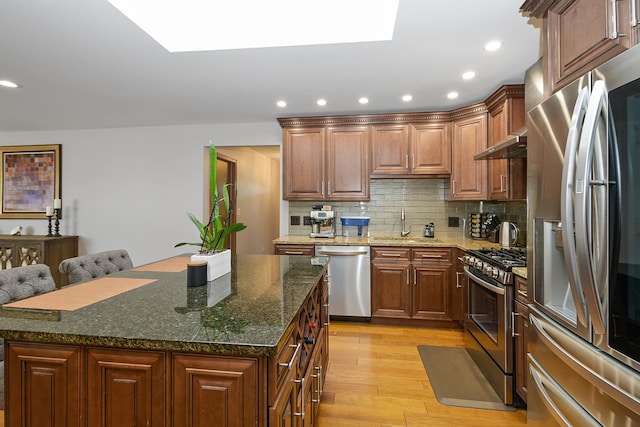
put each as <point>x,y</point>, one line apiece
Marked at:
<point>429,230</point>
<point>323,222</point>
<point>355,226</point>
<point>483,225</point>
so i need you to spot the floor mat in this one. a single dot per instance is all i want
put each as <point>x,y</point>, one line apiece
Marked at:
<point>456,379</point>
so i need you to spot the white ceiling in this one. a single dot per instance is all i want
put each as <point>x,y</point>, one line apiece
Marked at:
<point>83,65</point>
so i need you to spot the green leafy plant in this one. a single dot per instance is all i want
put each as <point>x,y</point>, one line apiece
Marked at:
<point>214,233</point>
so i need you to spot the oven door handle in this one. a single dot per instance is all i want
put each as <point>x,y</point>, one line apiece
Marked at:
<point>493,288</point>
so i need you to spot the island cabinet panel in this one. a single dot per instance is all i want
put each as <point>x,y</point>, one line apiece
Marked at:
<point>43,384</point>
<point>468,176</point>
<point>207,388</point>
<point>125,388</point>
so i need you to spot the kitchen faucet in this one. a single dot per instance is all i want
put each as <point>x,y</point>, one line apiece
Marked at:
<point>404,232</point>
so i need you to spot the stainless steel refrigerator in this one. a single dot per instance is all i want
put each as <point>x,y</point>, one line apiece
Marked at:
<point>583,188</point>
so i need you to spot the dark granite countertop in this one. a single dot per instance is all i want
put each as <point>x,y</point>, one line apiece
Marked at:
<point>245,312</point>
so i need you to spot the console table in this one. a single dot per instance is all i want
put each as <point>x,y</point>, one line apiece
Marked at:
<point>17,251</point>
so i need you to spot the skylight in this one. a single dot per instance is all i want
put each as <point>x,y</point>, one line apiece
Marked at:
<point>196,25</point>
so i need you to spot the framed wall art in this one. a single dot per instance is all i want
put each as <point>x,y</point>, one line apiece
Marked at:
<point>30,180</point>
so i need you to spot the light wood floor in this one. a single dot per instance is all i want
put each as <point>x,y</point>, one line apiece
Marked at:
<point>376,379</point>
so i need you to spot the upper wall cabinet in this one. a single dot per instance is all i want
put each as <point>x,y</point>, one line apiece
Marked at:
<point>411,149</point>
<point>326,163</point>
<point>582,34</point>
<point>507,177</point>
<point>468,176</point>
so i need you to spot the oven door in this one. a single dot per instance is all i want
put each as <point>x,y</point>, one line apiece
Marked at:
<point>489,319</point>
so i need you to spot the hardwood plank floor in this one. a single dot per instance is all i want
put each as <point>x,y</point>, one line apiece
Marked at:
<point>376,379</point>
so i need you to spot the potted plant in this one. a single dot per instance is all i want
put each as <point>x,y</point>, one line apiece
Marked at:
<point>214,233</point>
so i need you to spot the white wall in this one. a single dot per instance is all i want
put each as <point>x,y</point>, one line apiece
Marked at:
<point>132,187</point>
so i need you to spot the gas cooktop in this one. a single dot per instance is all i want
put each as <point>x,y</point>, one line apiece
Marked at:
<point>504,258</point>
<point>496,263</point>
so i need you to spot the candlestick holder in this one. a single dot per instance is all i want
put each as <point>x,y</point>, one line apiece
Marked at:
<point>58,213</point>
<point>49,234</point>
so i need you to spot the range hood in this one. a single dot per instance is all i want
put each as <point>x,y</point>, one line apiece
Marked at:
<point>513,147</point>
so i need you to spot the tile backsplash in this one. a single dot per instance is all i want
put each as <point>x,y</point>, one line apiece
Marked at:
<point>423,201</point>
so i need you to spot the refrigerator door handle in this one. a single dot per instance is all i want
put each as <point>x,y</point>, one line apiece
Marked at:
<point>552,393</point>
<point>567,202</point>
<point>580,368</point>
<point>590,198</point>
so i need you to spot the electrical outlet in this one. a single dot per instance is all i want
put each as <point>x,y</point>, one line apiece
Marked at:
<point>295,220</point>
<point>307,220</point>
<point>454,221</point>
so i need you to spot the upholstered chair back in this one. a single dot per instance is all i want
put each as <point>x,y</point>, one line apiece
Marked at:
<point>87,267</point>
<point>23,282</point>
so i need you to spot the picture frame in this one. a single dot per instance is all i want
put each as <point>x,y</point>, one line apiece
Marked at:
<point>30,180</point>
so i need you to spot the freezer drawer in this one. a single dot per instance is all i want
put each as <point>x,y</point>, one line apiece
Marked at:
<point>566,364</point>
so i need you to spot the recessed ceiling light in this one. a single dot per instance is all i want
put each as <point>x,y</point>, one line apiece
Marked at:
<point>322,102</point>
<point>468,75</point>
<point>281,104</point>
<point>197,25</point>
<point>493,45</point>
<point>9,84</point>
<point>363,100</point>
<point>407,98</point>
<point>452,95</point>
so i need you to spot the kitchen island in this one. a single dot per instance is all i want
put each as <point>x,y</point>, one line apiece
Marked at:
<point>249,348</point>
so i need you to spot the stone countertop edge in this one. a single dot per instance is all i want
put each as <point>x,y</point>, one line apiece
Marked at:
<point>264,304</point>
<point>417,242</point>
<point>520,271</point>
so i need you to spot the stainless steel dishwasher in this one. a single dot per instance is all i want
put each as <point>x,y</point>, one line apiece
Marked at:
<point>349,280</point>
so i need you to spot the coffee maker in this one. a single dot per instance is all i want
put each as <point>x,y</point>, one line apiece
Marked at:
<point>323,222</point>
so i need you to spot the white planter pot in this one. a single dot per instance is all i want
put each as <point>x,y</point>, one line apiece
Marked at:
<point>218,264</point>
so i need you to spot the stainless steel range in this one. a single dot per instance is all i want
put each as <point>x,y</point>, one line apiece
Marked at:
<point>488,324</point>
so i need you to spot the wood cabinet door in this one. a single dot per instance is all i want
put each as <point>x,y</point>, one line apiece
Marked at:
<point>468,176</point>
<point>347,163</point>
<point>207,388</point>
<point>430,145</point>
<point>43,385</point>
<point>283,412</point>
<point>459,290</point>
<point>583,34</point>
<point>125,388</point>
<point>521,332</point>
<point>303,164</point>
<point>390,150</point>
<point>507,177</point>
<point>390,290</point>
<point>431,292</point>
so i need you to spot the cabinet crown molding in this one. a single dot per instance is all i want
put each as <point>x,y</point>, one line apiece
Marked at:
<point>536,8</point>
<point>368,119</point>
<point>503,93</point>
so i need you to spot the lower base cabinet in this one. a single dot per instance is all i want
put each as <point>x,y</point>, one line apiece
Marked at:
<point>411,284</point>
<point>207,388</point>
<point>125,388</point>
<point>86,386</point>
<point>43,385</point>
